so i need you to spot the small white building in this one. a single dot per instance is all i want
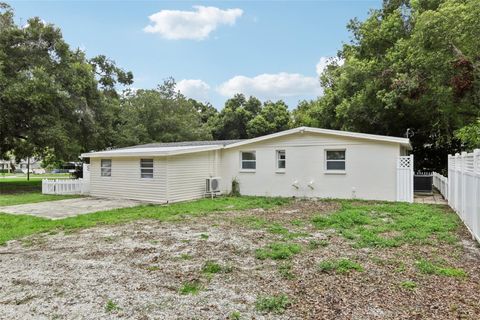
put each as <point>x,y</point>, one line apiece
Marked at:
<point>301,162</point>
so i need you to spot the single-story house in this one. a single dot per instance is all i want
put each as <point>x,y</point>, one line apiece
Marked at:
<point>301,162</point>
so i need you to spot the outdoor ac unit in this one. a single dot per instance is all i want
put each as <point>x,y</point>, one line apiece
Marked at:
<point>213,185</point>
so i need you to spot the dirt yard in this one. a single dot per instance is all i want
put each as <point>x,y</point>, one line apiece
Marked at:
<point>220,266</point>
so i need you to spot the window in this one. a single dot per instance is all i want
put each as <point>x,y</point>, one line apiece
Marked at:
<point>146,168</point>
<point>248,160</point>
<point>106,167</point>
<point>335,160</point>
<point>281,159</point>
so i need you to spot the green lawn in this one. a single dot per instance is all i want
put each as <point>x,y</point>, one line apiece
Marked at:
<point>17,226</point>
<point>9,185</point>
<point>30,197</point>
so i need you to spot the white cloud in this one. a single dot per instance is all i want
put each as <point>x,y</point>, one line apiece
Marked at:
<point>192,88</point>
<point>193,25</point>
<point>272,86</point>
<point>325,61</point>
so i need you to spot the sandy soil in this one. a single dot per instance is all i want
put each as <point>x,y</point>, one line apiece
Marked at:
<point>140,267</point>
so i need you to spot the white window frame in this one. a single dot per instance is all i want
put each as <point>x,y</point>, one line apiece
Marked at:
<point>143,169</point>
<point>277,161</point>
<point>105,167</point>
<point>334,171</point>
<point>242,161</point>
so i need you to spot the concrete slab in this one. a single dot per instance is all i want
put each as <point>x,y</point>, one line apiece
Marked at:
<point>434,198</point>
<point>70,207</point>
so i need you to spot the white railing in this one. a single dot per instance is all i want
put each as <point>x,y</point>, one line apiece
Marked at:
<point>463,191</point>
<point>441,184</point>
<point>405,178</point>
<point>65,186</point>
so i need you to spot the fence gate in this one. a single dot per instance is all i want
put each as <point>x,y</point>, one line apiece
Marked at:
<point>405,178</point>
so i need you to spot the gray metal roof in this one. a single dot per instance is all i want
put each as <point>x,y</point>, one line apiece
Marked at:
<point>184,144</point>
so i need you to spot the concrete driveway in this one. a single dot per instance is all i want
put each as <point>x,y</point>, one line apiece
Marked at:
<point>70,207</point>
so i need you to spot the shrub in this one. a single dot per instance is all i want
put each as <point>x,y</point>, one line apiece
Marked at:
<point>235,188</point>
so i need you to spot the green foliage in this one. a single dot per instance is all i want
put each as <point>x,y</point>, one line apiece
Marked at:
<point>470,135</point>
<point>204,236</point>
<point>190,287</point>
<point>277,251</point>
<point>339,266</point>
<point>411,65</point>
<point>275,304</point>
<point>429,267</point>
<point>409,285</point>
<point>235,315</point>
<point>211,267</point>
<point>285,271</point>
<point>390,224</point>
<point>111,306</point>
<point>17,226</point>
<point>53,100</point>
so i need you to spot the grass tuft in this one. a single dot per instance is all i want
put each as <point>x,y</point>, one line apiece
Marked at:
<point>111,306</point>
<point>275,304</point>
<point>211,267</point>
<point>429,267</point>
<point>277,251</point>
<point>409,285</point>
<point>190,287</point>
<point>339,266</point>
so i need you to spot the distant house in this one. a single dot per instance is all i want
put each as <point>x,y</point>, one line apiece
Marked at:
<point>301,162</point>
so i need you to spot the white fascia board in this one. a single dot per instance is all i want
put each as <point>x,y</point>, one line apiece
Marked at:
<point>402,141</point>
<point>149,152</point>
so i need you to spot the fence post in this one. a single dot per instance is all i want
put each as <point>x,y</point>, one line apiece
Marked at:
<point>476,192</point>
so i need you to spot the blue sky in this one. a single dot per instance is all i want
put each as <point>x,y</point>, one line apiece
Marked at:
<point>213,49</point>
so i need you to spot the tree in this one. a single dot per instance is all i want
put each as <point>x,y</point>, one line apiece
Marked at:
<point>411,65</point>
<point>272,117</point>
<point>50,98</point>
<point>160,115</point>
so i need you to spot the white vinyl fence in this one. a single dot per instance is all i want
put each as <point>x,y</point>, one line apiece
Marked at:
<point>65,186</point>
<point>405,178</point>
<point>462,188</point>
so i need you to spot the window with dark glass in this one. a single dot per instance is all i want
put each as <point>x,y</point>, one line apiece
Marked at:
<point>335,160</point>
<point>249,160</point>
<point>106,167</point>
<point>146,168</point>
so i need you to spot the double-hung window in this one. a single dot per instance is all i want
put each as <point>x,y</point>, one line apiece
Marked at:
<point>335,160</point>
<point>281,160</point>
<point>146,168</point>
<point>106,167</point>
<point>248,160</point>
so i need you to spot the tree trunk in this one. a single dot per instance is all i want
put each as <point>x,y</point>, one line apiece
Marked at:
<point>28,168</point>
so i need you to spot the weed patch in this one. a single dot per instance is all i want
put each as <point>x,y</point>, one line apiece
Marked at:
<point>339,266</point>
<point>409,285</point>
<point>277,251</point>
<point>429,267</point>
<point>275,304</point>
<point>111,306</point>
<point>190,287</point>
<point>390,224</point>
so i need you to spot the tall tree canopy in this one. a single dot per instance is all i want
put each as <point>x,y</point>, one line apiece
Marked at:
<point>160,115</point>
<point>53,100</point>
<point>411,65</point>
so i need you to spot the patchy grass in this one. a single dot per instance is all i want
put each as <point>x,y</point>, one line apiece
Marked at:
<point>277,251</point>
<point>339,266</point>
<point>235,315</point>
<point>190,287</point>
<point>17,226</point>
<point>31,197</point>
<point>275,304</point>
<point>315,244</point>
<point>204,236</point>
<point>111,306</point>
<point>272,227</point>
<point>381,224</point>
<point>285,271</point>
<point>409,285</point>
<point>429,267</point>
<point>211,267</point>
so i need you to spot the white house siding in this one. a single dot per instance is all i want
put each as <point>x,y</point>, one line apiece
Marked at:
<point>125,181</point>
<point>370,168</point>
<point>187,174</point>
